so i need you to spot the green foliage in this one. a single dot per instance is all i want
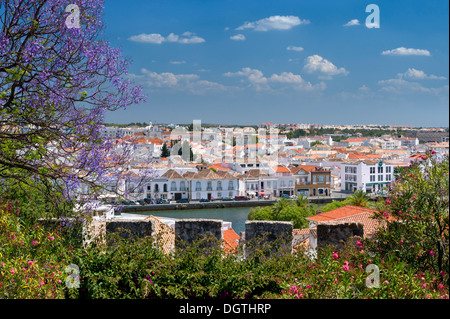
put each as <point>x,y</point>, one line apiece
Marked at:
<point>416,214</point>
<point>284,210</point>
<point>359,198</point>
<point>336,204</point>
<point>165,151</point>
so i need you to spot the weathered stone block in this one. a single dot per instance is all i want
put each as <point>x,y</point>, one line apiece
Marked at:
<point>337,234</point>
<point>207,233</point>
<point>268,237</point>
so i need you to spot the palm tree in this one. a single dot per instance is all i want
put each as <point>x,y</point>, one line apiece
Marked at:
<point>280,205</point>
<point>359,198</point>
<point>302,201</point>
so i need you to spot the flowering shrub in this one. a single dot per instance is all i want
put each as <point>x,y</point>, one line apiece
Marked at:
<point>31,259</point>
<point>34,258</point>
<point>416,215</point>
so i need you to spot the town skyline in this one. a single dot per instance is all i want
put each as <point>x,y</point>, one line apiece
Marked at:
<point>247,63</point>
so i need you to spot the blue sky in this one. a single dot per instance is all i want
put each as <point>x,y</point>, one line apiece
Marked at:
<point>315,61</point>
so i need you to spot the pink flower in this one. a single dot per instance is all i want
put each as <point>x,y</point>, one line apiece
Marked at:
<point>399,212</point>
<point>386,215</point>
<point>31,262</point>
<point>34,242</point>
<point>335,255</point>
<point>359,244</point>
<point>431,253</point>
<point>386,282</point>
<point>345,267</point>
<point>335,280</point>
<point>3,264</point>
<point>308,286</point>
<point>388,202</point>
<point>50,237</point>
<point>424,285</point>
<point>414,197</point>
<point>441,286</point>
<point>428,297</point>
<point>362,251</point>
<point>12,271</point>
<point>13,236</point>
<point>401,241</point>
<point>442,273</point>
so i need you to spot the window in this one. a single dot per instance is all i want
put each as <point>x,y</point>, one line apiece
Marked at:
<point>156,188</point>
<point>372,170</point>
<point>149,188</point>
<point>380,178</point>
<point>198,186</point>
<point>321,179</point>
<point>209,186</point>
<point>219,186</point>
<point>165,188</point>
<point>388,178</point>
<point>230,185</point>
<point>372,178</point>
<point>182,186</point>
<point>199,196</point>
<point>230,194</point>
<point>173,186</point>
<point>380,169</point>
<point>219,195</point>
<point>388,169</point>
<point>314,179</point>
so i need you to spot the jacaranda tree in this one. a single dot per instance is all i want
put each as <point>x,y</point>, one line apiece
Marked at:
<point>58,78</point>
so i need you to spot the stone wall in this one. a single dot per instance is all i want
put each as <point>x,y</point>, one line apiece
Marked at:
<point>268,237</point>
<point>337,233</point>
<point>206,232</point>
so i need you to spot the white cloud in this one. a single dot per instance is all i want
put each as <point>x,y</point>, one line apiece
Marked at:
<point>406,51</point>
<point>415,74</point>
<point>177,62</point>
<point>316,63</point>
<point>402,86</point>
<point>238,37</point>
<point>294,48</point>
<point>156,38</point>
<point>261,82</point>
<point>254,76</point>
<point>181,82</point>
<point>148,38</point>
<point>352,23</point>
<point>274,23</point>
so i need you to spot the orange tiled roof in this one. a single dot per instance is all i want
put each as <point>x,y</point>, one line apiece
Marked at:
<point>281,169</point>
<point>339,213</point>
<point>230,241</point>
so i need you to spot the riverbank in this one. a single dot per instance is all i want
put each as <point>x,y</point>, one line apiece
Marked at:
<point>217,204</point>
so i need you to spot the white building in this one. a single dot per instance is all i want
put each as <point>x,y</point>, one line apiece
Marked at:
<point>367,175</point>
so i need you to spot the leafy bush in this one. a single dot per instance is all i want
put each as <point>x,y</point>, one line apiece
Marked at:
<point>284,210</point>
<point>416,214</point>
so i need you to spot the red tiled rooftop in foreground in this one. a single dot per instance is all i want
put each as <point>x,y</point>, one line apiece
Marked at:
<point>341,212</point>
<point>230,240</point>
<point>354,214</point>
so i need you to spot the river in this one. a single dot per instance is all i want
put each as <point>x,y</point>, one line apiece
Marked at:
<point>236,215</point>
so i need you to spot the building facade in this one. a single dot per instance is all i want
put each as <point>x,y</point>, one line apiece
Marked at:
<point>370,176</point>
